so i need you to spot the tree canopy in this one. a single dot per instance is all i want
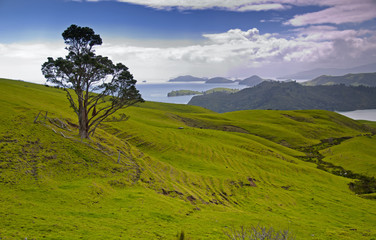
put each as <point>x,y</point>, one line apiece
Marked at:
<point>96,87</point>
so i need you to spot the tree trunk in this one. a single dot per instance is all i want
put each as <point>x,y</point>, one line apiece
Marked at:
<point>83,120</point>
<point>84,131</point>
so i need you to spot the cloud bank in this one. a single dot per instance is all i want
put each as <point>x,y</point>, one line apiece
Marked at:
<point>24,60</point>
<point>222,52</point>
<point>315,39</point>
<point>232,53</point>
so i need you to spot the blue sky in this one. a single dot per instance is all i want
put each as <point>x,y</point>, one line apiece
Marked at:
<point>48,18</point>
<point>162,39</point>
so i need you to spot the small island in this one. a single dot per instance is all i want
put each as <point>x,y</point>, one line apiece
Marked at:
<point>182,93</point>
<point>187,78</point>
<point>191,92</point>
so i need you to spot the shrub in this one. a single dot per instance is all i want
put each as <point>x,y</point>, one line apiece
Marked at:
<point>258,233</point>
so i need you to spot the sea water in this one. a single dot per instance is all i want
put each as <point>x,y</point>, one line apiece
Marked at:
<point>157,92</point>
<point>366,114</point>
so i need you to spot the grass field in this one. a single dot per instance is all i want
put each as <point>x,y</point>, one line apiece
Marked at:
<point>357,155</point>
<point>173,168</point>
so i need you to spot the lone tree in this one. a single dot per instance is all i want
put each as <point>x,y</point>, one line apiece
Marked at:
<point>100,86</point>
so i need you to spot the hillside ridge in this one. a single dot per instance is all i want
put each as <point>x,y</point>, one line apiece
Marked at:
<point>169,168</point>
<point>360,79</point>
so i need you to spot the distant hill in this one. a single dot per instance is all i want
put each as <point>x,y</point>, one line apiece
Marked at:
<point>290,96</point>
<point>251,81</point>
<point>187,78</point>
<point>314,73</point>
<point>365,79</point>
<point>219,80</point>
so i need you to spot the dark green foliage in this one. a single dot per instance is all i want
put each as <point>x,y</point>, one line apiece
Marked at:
<point>101,87</point>
<point>80,39</point>
<point>364,185</point>
<point>290,96</point>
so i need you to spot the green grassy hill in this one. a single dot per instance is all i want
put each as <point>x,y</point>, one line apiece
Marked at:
<point>357,155</point>
<point>365,79</point>
<point>171,168</point>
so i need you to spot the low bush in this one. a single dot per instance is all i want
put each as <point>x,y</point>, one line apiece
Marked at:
<point>258,233</point>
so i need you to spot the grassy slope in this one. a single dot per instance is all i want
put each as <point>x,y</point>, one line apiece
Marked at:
<point>169,179</point>
<point>357,155</point>
<point>369,123</point>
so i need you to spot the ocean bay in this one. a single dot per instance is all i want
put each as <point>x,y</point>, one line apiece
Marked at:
<point>364,114</point>
<point>157,92</point>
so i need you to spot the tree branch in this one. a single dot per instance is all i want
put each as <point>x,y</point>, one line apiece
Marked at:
<point>73,104</point>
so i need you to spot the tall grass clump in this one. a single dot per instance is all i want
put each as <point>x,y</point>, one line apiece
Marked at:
<point>258,233</point>
<point>182,236</point>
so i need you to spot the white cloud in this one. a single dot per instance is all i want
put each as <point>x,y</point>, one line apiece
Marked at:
<point>231,5</point>
<point>24,60</point>
<point>236,49</point>
<point>229,53</point>
<point>233,53</point>
<point>233,35</point>
<point>339,12</point>
<point>325,33</point>
<point>29,51</point>
<point>261,7</point>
